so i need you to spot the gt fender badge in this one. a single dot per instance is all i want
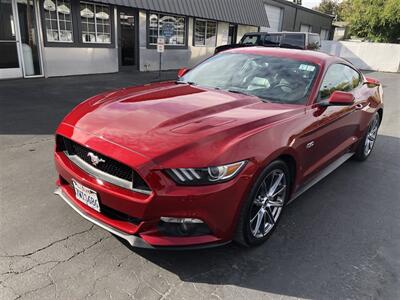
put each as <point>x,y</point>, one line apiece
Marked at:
<point>310,144</point>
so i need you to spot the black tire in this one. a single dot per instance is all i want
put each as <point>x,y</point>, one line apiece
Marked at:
<point>370,136</point>
<point>244,234</point>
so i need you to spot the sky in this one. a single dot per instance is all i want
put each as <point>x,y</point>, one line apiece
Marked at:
<point>311,3</point>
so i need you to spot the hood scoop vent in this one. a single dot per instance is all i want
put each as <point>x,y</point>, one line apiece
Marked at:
<point>202,124</point>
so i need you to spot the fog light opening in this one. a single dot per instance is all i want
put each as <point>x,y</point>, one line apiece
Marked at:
<point>170,226</point>
<point>180,220</point>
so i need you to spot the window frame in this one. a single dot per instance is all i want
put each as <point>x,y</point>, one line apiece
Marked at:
<point>319,99</point>
<point>95,5</point>
<point>205,32</point>
<point>77,28</point>
<point>167,46</point>
<point>309,26</point>
<point>327,31</point>
<point>44,28</point>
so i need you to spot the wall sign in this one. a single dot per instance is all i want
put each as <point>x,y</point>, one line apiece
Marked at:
<point>161,41</point>
<point>160,44</point>
<point>160,48</point>
<point>168,30</point>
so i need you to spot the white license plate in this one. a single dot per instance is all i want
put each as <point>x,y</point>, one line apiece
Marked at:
<point>86,195</point>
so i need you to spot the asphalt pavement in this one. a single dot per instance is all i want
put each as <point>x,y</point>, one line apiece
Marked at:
<point>341,239</point>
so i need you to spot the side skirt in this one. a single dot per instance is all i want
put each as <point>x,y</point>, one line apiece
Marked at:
<point>321,175</point>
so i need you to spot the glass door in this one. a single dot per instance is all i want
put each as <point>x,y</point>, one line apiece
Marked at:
<point>127,36</point>
<point>29,38</point>
<point>232,33</point>
<point>10,65</point>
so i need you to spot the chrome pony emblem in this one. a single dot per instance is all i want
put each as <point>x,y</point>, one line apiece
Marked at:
<point>95,159</point>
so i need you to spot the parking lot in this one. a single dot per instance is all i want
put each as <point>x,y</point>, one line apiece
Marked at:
<point>341,239</point>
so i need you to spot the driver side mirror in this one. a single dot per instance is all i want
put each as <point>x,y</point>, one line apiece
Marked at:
<point>182,72</point>
<point>338,98</point>
<point>371,81</point>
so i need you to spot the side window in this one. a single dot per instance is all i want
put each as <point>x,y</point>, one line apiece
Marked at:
<point>272,39</point>
<point>314,42</point>
<point>250,40</point>
<point>353,76</point>
<point>295,40</point>
<point>338,78</point>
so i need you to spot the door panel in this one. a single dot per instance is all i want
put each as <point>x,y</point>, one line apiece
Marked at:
<point>332,132</point>
<point>9,55</point>
<point>334,128</point>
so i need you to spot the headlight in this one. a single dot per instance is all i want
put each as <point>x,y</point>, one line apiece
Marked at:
<point>204,176</point>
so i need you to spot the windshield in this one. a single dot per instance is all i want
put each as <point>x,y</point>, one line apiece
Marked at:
<point>269,78</point>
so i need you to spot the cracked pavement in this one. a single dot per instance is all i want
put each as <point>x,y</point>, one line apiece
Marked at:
<point>341,239</point>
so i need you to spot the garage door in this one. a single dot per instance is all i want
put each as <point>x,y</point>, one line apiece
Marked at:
<point>305,28</point>
<point>274,15</point>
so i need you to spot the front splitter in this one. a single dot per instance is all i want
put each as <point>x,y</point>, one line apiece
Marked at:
<point>133,240</point>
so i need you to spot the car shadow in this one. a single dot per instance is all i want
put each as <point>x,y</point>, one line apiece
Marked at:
<point>330,243</point>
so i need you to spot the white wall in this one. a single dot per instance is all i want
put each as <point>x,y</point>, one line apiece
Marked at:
<point>365,55</point>
<point>180,58</point>
<point>79,61</point>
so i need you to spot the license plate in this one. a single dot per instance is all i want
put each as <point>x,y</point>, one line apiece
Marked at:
<point>86,195</point>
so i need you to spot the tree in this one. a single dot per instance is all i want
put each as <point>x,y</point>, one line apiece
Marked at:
<point>330,7</point>
<point>375,20</point>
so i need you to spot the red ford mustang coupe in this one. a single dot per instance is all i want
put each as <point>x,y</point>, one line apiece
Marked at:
<point>216,155</point>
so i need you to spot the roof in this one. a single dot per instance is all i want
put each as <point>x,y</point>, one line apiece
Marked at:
<point>340,24</point>
<point>316,57</point>
<point>247,12</point>
<point>288,2</point>
<point>278,32</point>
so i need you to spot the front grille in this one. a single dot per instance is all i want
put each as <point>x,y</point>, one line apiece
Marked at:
<point>117,215</point>
<point>107,165</point>
<point>110,166</point>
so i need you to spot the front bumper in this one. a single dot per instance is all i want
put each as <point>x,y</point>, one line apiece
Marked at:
<point>217,206</point>
<point>133,240</point>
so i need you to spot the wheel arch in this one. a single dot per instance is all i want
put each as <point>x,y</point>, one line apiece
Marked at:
<point>291,163</point>
<point>380,112</point>
<point>289,157</point>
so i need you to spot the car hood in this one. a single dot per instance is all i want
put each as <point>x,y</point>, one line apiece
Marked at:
<point>165,117</point>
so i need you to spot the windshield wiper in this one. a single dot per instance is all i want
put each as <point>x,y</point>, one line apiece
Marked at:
<point>240,92</point>
<point>247,94</point>
<point>185,82</point>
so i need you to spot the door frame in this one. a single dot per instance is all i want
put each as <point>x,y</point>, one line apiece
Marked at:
<point>135,13</point>
<point>20,72</point>
<point>36,11</point>
<point>14,72</point>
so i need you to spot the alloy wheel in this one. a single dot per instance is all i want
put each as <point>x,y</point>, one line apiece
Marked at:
<point>371,135</point>
<point>268,203</point>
